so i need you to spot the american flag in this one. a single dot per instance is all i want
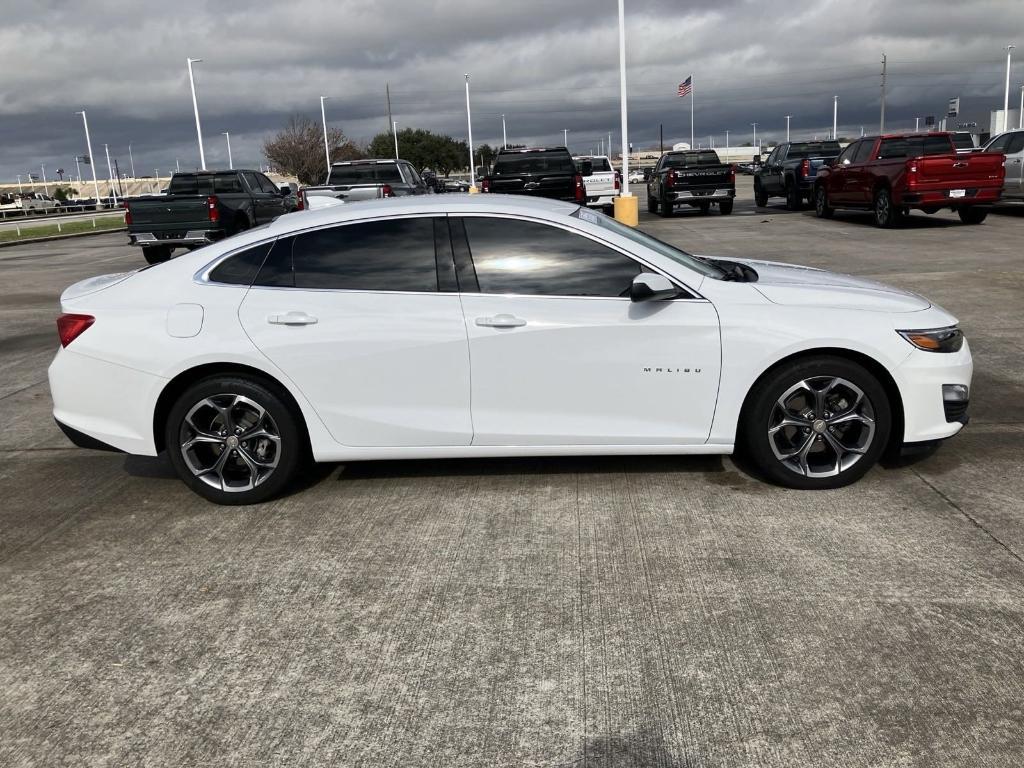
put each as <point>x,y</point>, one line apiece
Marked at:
<point>686,86</point>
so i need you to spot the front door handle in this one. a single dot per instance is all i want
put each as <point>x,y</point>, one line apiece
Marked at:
<point>292,318</point>
<point>501,321</point>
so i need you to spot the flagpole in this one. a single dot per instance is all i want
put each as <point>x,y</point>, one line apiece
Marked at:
<point>691,111</point>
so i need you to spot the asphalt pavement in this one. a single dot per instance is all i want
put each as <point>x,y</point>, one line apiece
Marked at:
<point>656,611</point>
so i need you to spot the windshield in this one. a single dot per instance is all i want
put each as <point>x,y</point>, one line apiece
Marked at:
<point>677,255</point>
<point>963,141</point>
<point>536,162</point>
<point>692,159</point>
<point>813,149</point>
<point>204,184</point>
<point>597,164</point>
<point>368,173</point>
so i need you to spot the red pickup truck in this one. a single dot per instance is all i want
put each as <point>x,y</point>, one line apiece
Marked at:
<point>891,174</point>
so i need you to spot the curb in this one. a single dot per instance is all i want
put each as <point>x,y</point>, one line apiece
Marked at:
<point>48,238</point>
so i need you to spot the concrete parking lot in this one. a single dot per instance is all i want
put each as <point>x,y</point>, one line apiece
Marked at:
<point>541,612</point>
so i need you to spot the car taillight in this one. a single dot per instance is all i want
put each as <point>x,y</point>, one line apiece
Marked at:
<point>387,191</point>
<point>580,193</point>
<point>670,178</point>
<point>618,181</point>
<point>485,185</point>
<point>300,198</point>
<point>732,173</point>
<point>912,173</point>
<point>127,215</point>
<point>70,327</point>
<point>212,209</point>
<point>805,168</point>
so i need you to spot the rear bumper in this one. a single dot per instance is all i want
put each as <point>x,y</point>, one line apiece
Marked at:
<point>943,198</point>
<point>599,201</point>
<point>191,237</point>
<point>709,195</point>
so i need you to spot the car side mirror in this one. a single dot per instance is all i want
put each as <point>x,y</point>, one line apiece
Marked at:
<point>846,161</point>
<point>587,168</point>
<point>648,286</point>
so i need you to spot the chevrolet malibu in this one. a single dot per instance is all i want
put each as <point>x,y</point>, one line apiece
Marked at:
<point>464,326</point>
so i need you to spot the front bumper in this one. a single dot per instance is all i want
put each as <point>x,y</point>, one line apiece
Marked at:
<point>926,415</point>
<point>191,237</point>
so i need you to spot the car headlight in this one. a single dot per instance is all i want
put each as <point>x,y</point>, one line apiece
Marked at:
<point>936,339</point>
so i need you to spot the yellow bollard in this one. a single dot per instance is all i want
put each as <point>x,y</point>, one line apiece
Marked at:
<point>472,189</point>
<point>627,210</point>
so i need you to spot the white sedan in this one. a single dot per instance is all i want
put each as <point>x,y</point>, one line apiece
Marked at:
<point>461,326</point>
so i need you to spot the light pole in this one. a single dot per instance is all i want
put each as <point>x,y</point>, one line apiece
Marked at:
<point>195,109</point>
<point>917,124</point>
<point>835,116</point>
<point>754,142</point>
<point>504,136</point>
<point>110,173</point>
<point>177,166</point>
<point>787,127</point>
<point>20,191</point>
<point>469,125</point>
<point>394,132</point>
<point>1020,112</point>
<point>727,138</point>
<point>1006,93</point>
<point>131,160</point>
<point>327,149</point>
<point>78,171</point>
<point>626,209</point>
<point>46,190</point>
<point>92,160</point>
<point>231,163</point>
<point>565,137</point>
<point>156,180</point>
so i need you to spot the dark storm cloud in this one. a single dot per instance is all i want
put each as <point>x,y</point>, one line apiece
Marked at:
<point>546,65</point>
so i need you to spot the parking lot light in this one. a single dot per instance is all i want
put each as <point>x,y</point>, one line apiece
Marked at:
<point>92,160</point>
<point>327,148</point>
<point>626,205</point>
<point>472,162</point>
<point>231,163</point>
<point>195,109</point>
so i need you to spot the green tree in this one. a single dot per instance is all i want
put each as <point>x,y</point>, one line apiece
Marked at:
<point>64,193</point>
<point>298,149</point>
<point>422,148</point>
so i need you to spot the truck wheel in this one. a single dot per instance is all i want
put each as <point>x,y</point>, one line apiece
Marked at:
<point>794,200</point>
<point>821,207</point>
<point>156,254</point>
<point>652,204</point>
<point>760,196</point>
<point>241,223</point>
<point>886,214</point>
<point>972,215</point>
<point>725,207</point>
<point>666,208</point>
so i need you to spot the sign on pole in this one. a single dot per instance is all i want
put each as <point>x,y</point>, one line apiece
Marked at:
<point>929,120</point>
<point>954,107</point>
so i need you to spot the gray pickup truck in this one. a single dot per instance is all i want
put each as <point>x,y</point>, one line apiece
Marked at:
<point>355,180</point>
<point>202,207</point>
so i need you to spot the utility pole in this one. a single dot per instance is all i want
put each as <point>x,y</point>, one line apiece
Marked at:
<point>610,141</point>
<point>881,123</point>
<point>661,138</point>
<point>726,138</point>
<point>565,137</point>
<point>78,172</point>
<point>231,163</point>
<point>917,124</point>
<point>394,130</point>
<point>1006,93</point>
<point>504,136</point>
<point>46,189</point>
<point>131,161</point>
<point>787,127</point>
<point>754,142</point>
<point>110,173</point>
<point>387,93</point>
<point>195,109</point>
<point>323,120</point>
<point>835,115</point>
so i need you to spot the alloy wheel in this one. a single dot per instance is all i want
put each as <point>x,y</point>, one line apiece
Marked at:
<point>821,426</point>
<point>230,442</point>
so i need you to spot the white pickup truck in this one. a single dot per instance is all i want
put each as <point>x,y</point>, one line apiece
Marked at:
<point>28,203</point>
<point>354,180</point>
<point>600,180</point>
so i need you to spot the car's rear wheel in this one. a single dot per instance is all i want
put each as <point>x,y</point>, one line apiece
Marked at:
<point>725,207</point>
<point>760,196</point>
<point>821,207</point>
<point>234,440</point>
<point>155,254</point>
<point>972,215</point>
<point>652,204</point>
<point>886,214</point>
<point>666,208</point>
<point>794,201</point>
<point>816,423</point>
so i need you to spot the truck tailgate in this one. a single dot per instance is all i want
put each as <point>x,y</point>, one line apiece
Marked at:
<point>959,171</point>
<point>548,185</point>
<point>700,177</point>
<point>599,184</point>
<point>170,211</point>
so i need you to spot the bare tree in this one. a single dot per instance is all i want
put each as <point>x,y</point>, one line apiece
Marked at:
<point>298,149</point>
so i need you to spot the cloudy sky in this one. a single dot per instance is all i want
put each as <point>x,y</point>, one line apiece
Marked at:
<point>547,64</point>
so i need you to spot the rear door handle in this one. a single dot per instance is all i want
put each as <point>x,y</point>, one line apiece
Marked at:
<point>501,321</point>
<point>292,318</point>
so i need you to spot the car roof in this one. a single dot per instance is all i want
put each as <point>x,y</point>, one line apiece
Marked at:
<point>383,161</point>
<point>423,204</point>
<point>520,150</point>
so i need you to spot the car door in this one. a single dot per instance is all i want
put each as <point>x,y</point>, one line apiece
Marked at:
<point>275,201</point>
<point>860,179</point>
<point>771,173</point>
<point>1014,184</point>
<point>364,318</point>
<point>838,177</point>
<point>561,356</point>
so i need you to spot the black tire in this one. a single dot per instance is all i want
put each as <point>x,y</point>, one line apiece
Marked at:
<point>667,208</point>
<point>608,210</point>
<point>245,476</point>
<point>652,204</point>
<point>760,196</point>
<point>972,215</point>
<point>156,254</point>
<point>242,223</point>
<point>794,200</point>
<point>886,214</point>
<point>767,444</point>
<point>725,207</point>
<point>821,207</point>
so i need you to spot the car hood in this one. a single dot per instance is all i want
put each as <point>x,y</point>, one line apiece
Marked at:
<point>793,285</point>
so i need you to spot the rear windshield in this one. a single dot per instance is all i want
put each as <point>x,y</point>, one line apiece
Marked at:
<point>598,164</point>
<point>204,184</point>
<point>534,162</point>
<point>915,146</point>
<point>692,160</point>
<point>963,141</point>
<point>813,149</point>
<point>370,173</point>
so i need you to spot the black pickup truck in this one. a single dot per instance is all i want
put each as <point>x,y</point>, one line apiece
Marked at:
<point>539,172</point>
<point>790,171</point>
<point>200,208</point>
<point>694,177</point>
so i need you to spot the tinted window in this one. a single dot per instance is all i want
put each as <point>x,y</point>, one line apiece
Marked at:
<point>691,159</point>
<point>999,143</point>
<point>513,256</point>
<point>533,162</point>
<point>277,267</point>
<point>597,164</point>
<point>392,255</point>
<point>241,268</point>
<point>365,173</point>
<point>268,186</point>
<point>847,154</point>
<point>813,149</point>
<point>916,146</point>
<point>252,181</point>
<point>1016,144</point>
<point>864,151</point>
<point>204,184</point>
<point>963,141</point>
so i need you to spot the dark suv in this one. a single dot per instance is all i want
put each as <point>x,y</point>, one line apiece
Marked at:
<point>541,172</point>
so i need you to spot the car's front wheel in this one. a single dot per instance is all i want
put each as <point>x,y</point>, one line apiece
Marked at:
<point>760,196</point>
<point>234,440</point>
<point>822,209</point>
<point>816,423</point>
